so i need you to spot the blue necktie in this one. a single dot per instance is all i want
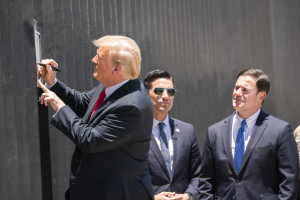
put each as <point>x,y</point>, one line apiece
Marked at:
<point>164,146</point>
<point>239,147</point>
<point>163,134</point>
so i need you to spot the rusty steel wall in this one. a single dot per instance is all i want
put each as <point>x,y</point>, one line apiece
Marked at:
<point>203,44</point>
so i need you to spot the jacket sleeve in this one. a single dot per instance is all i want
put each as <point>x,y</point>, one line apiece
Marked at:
<point>77,101</point>
<point>116,129</point>
<point>207,181</point>
<point>195,163</point>
<point>288,165</point>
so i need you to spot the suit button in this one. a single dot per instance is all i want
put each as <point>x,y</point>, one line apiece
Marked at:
<point>233,197</point>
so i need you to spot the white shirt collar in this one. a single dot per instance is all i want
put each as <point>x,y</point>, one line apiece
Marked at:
<point>156,122</point>
<point>112,89</point>
<point>250,120</point>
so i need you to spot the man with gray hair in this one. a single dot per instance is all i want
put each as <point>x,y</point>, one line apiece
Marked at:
<point>110,125</point>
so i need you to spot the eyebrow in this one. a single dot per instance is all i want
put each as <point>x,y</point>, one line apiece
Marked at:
<point>242,87</point>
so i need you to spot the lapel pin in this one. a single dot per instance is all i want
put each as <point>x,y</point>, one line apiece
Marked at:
<point>177,130</point>
<point>108,102</point>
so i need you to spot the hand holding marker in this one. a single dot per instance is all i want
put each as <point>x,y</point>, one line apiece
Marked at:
<point>53,68</point>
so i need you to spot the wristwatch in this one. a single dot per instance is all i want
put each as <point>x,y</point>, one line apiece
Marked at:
<point>191,196</point>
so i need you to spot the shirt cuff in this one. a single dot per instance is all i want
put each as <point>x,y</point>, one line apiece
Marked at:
<point>57,111</point>
<point>50,86</point>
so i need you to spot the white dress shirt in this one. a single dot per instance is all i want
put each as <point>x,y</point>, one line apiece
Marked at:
<point>236,125</point>
<point>167,130</point>
<point>112,89</point>
<point>49,87</point>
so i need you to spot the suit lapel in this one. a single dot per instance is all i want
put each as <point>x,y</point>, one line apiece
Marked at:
<point>157,153</point>
<point>177,141</point>
<point>92,103</point>
<point>226,134</point>
<point>113,97</point>
<point>258,130</point>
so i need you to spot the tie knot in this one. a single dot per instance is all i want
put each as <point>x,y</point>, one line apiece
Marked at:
<point>161,125</point>
<point>243,123</point>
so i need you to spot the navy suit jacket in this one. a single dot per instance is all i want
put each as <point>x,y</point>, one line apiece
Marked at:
<point>269,169</point>
<point>186,162</point>
<point>111,155</point>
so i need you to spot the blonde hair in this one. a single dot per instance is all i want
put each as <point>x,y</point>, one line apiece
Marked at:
<point>124,52</point>
<point>297,138</point>
<point>297,132</point>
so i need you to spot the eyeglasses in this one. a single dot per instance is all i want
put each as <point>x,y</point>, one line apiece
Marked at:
<point>158,91</point>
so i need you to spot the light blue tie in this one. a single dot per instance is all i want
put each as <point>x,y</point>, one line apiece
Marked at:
<point>164,146</point>
<point>239,147</point>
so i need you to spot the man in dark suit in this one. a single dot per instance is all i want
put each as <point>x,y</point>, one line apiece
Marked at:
<point>250,155</point>
<point>174,156</point>
<point>113,137</point>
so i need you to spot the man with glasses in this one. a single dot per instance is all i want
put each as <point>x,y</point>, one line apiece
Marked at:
<point>174,156</point>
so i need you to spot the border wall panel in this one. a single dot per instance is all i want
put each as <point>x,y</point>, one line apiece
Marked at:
<point>35,186</point>
<point>86,64</point>
<point>78,67</point>
<point>285,43</point>
<point>93,12</point>
<point>3,166</point>
<point>11,147</point>
<point>69,69</point>
<point>20,103</point>
<point>59,142</point>
<point>152,36</point>
<point>127,18</point>
<point>202,43</point>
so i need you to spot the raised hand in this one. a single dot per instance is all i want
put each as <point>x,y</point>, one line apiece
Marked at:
<point>50,97</point>
<point>47,73</point>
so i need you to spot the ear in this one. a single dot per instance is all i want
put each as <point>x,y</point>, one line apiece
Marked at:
<point>117,69</point>
<point>261,96</point>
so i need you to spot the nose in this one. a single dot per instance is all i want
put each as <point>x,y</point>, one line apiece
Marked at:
<point>165,94</point>
<point>94,60</point>
<point>238,92</point>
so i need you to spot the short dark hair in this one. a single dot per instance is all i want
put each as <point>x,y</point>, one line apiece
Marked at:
<point>156,74</point>
<point>262,80</point>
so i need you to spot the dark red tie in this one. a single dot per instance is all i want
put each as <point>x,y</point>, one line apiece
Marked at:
<point>99,102</point>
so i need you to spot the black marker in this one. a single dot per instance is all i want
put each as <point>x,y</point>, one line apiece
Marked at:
<point>53,68</point>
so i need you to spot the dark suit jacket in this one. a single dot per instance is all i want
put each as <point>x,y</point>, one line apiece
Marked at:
<point>111,155</point>
<point>270,166</point>
<point>186,162</point>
